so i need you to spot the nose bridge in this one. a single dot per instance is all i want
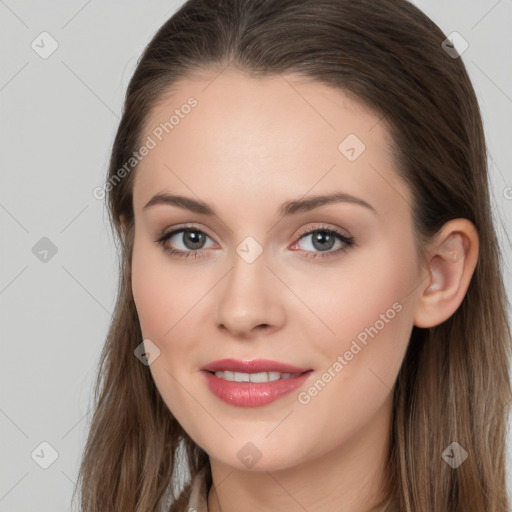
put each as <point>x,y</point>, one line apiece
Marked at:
<point>249,296</point>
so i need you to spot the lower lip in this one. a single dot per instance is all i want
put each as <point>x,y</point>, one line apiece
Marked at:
<point>253,394</point>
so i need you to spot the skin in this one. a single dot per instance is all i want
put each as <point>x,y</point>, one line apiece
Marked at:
<point>247,147</point>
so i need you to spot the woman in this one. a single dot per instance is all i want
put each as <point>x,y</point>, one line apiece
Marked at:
<point>311,312</point>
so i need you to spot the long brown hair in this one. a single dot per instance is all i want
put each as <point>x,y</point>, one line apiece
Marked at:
<point>454,381</point>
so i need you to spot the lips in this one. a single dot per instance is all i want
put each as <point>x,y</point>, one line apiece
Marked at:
<point>253,383</point>
<point>254,366</point>
<point>252,394</point>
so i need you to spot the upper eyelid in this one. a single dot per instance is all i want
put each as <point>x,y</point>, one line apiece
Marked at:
<point>174,231</point>
<point>323,227</point>
<point>320,227</point>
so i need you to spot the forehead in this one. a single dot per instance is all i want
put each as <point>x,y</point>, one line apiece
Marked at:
<point>232,139</point>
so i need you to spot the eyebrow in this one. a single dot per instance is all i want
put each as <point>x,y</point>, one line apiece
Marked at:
<point>288,208</point>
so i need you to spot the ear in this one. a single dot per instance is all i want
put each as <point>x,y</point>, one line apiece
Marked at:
<point>452,259</point>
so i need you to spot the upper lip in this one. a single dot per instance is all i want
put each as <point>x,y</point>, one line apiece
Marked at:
<point>254,366</point>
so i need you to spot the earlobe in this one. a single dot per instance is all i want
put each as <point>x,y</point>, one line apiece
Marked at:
<point>452,262</point>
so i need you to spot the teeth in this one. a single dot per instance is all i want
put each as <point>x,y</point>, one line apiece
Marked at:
<point>254,377</point>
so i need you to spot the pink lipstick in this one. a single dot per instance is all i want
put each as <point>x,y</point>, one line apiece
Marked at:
<point>252,383</point>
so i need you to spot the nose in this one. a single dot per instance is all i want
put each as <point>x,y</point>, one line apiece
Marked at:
<point>250,298</point>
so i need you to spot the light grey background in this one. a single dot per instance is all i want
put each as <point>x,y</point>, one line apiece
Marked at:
<point>58,119</point>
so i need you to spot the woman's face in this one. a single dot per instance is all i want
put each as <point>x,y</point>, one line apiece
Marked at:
<point>247,283</point>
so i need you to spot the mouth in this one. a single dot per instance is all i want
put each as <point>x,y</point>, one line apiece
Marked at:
<point>253,383</point>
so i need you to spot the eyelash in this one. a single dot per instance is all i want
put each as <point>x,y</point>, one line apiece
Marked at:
<point>347,240</point>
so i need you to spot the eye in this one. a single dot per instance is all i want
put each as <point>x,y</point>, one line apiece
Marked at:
<point>193,240</point>
<point>323,238</point>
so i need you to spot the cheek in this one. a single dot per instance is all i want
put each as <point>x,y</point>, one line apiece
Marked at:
<point>368,307</point>
<point>162,293</point>
<point>370,311</point>
<point>166,298</point>
<point>163,298</point>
